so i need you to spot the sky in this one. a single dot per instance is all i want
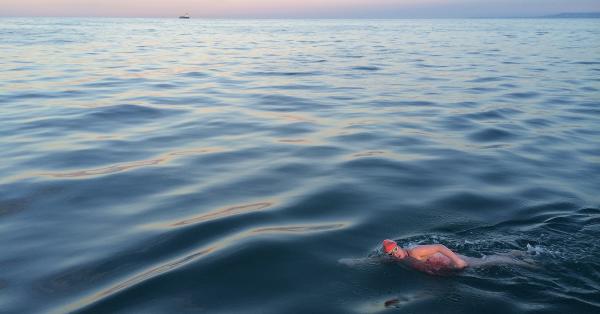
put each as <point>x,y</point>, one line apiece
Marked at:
<point>296,8</point>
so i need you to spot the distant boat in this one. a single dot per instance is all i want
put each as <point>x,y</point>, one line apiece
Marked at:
<point>186,16</point>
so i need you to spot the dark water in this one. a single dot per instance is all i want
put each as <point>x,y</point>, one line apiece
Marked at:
<point>153,166</point>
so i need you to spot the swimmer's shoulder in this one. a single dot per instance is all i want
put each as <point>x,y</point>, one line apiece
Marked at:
<point>421,252</point>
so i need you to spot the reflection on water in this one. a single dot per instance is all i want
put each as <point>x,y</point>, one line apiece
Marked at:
<point>369,154</point>
<point>298,229</point>
<point>107,170</point>
<point>230,211</point>
<point>152,166</point>
<point>133,281</point>
<point>293,141</point>
<point>225,244</point>
<point>131,165</point>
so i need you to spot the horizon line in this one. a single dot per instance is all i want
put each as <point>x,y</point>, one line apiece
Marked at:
<point>549,16</point>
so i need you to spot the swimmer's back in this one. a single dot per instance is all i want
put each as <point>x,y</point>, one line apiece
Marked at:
<point>433,264</point>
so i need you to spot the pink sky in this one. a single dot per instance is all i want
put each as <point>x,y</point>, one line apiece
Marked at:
<point>294,8</point>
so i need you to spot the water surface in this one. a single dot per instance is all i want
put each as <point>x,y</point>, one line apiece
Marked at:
<point>153,166</point>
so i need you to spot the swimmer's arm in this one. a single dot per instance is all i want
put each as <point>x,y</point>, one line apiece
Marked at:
<point>424,251</point>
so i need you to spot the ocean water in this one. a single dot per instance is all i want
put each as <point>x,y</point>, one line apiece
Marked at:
<point>235,166</point>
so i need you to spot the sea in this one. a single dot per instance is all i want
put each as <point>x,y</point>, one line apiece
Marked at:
<point>255,166</point>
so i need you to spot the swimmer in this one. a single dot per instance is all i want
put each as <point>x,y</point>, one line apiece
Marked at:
<point>437,258</point>
<point>428,258</point>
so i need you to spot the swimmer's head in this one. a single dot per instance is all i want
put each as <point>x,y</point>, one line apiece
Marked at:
<point>392,249</point>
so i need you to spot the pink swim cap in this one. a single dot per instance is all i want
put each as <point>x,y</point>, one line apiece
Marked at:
<point>388,246</point>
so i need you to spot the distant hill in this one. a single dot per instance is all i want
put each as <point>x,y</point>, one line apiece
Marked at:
<point>574,15</point>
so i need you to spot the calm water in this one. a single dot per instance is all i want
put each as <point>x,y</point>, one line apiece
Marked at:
<point>153,166</point>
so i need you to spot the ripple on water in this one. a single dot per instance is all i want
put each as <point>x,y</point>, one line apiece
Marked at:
<point>284,73</point>
<point>371,153</point>
<point>494,114</point>
<point>482,90</point>
<point>151,274</point>
<point>284,103</point>
<point>101,119</point>
<point>522,95</point>
<point>221,213</point>
<point>491,135</point>
<point>12,206</point>
<point>298,229</point>
<point>476,202</point>
<point>131,165</point>
<point>457,123</point>
<point>487,79</point>
<point>194,74</point>
<point>539,122</point>
<point>365,68</point>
